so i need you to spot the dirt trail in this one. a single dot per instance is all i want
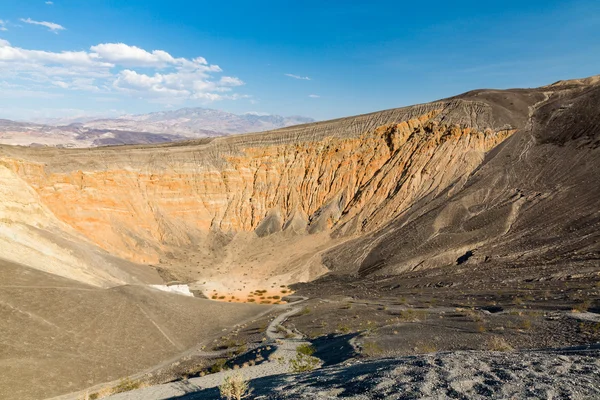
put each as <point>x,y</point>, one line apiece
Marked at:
<point>286,343</point>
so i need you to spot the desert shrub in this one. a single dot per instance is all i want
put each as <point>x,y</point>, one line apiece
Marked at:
<point>473,315</point>
<point>413,315</point>
<point>235,387</point>
<point>241,349</point>
<point>303,363</point>
<point>427,348</point>
<point>218,366</point>
<point>583,306</point>
<point>305,311</point>
<point>517,301</point>
<point>525,324</point>
<point>126,385</point>
<point>371,349</point>
<point>497,343</point>
<point>306,349</point>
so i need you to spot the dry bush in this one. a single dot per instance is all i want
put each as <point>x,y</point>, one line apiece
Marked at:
<point>411,315</point>
<point>427,348</point>
<point>235,387</point>
<point>525,325</point>
<point>473,315</point>
<point>582,307</point>
<point>126,385</point>
<point>497,343</point>
<point>371,349</point>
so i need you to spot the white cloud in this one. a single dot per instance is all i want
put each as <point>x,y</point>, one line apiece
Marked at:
<point>305,78</point>
<point>9,53</point>
<point>3,25</point>
<point>133,56</point>
<point>61,84</point>
<point>314,96</point>
<point>114,68</point>
<point>50,25</point>
<point>230,81</point>
<point>49,3</point>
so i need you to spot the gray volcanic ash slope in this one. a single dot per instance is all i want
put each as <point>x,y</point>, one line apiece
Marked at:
<point>533,201</point>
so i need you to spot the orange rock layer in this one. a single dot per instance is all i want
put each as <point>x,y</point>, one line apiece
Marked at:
<point>142,208</point>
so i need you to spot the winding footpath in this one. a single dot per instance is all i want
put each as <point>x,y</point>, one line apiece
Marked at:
<point>278,363</point>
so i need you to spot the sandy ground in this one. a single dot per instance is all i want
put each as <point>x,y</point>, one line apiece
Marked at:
<point>62,336</point>
<point>235,271</point>
<point>278,364</point>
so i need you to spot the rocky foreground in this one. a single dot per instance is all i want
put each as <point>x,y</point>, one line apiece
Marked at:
<point>553,374</point>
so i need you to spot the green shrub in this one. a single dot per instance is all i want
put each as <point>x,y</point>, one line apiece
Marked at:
<point>218,366</point>
<point>306,349</point>
<point>303,363</point>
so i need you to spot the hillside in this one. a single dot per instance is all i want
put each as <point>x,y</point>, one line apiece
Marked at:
<point>487,199</point>
<point>194,207</point>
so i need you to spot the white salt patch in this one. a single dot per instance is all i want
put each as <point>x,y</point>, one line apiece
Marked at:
<point>183,290</point>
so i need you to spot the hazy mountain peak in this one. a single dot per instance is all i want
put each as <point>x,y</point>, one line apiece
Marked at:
<point>197,122</point>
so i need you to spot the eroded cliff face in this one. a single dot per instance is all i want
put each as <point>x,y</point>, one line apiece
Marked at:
<point>141,205</point>
<point>530,211</point>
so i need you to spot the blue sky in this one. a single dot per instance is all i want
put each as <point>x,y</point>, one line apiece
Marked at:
<point>322,59</point>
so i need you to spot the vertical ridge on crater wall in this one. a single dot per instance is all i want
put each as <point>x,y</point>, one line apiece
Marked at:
<point>141,204</point>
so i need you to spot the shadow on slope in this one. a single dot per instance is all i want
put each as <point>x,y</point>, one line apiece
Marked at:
<point>460,375</point>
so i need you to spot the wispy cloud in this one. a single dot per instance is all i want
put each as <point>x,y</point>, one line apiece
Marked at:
<point>49,3</point>
<point>50,25</point>
<point>3,25</point>
<point>304,78</point>
<point>314,96</point>
<point>118,69</point>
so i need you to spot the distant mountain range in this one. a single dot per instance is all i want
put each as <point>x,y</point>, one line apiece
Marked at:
<point>156,127</point>
<point>192,122</point>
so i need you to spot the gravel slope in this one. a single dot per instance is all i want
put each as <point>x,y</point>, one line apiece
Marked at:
<point>558,374</point>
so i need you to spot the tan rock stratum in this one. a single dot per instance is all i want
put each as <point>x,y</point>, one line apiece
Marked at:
<point>144,204</point>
